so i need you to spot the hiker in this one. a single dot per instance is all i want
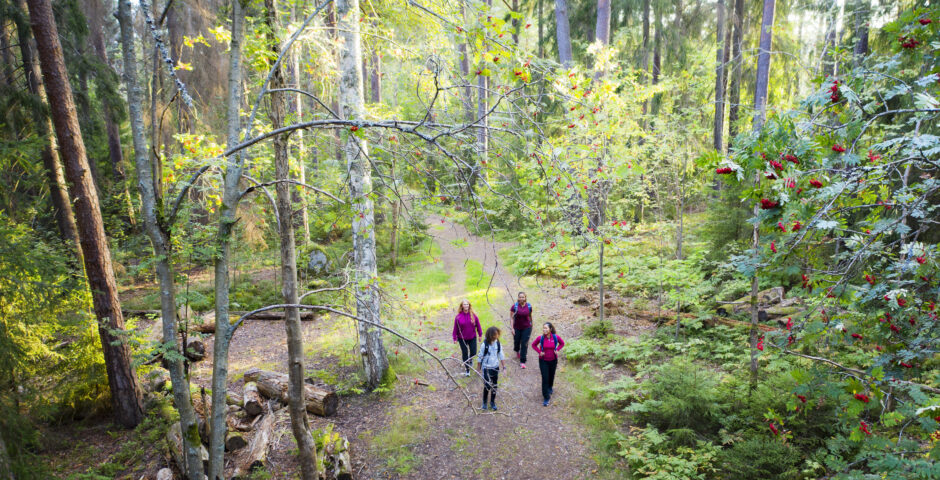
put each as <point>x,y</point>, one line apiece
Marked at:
<point>521,313</point>
<point>466,330</point>
<point>491,359</point>
<point>548,345</point>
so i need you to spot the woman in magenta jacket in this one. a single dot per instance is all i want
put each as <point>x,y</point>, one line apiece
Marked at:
<point>521,315</point>
<point>466,330</point>
<point>548,344</point>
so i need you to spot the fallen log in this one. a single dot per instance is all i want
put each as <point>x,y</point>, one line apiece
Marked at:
<point>319,401</point>
<point>233,398</point>
<point>235,441</point>
<point>255,455</point>
<point>266,315</point>
<point>174,439</point>
<point>251,400</point>
<point>195,350</point>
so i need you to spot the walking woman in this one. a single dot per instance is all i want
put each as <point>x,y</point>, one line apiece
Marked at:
<point>466,330</point>
<point>521,312</point>
<point>548,345</point>
<point>491,359</point>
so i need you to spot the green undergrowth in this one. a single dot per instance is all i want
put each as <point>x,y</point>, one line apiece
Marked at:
<point>399,443</point>
<point>685,408</point>
<point>486,301</point>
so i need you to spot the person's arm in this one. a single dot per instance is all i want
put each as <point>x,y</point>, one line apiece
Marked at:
<point>479,327</point>
<point>456,327</point>
<point>561,343</point>
<point>536,346</point>
<point>502,359</point>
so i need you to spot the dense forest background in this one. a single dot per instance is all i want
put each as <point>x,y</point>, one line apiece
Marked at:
<point>742,195</point>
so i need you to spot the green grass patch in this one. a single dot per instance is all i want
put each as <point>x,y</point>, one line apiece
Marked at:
<point>601,425</point>
<point>488,303</point>
<point>398,443</point>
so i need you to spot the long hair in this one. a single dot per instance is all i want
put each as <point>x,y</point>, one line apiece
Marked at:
<point>523,294</point>
<point>492,334</point>
<point>551,328</point>
<point>469,308</point>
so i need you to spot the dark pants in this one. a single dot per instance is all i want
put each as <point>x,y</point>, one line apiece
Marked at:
<point>468,350</point>
<point>547,367</point>
<point>520,342</point>
<point>490,379</point>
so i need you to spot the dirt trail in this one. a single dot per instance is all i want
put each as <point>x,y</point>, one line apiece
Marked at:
<point>524,439</point>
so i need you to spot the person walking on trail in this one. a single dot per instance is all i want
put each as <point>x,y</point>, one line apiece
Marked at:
<point>548,345</point>
<point>466,330</point>
<point>521,313</point>
<point>491,359</point>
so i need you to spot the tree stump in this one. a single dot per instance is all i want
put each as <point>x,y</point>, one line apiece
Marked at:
<point>319,401</point>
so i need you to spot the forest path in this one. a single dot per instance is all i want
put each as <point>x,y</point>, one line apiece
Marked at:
<point>523,439</point>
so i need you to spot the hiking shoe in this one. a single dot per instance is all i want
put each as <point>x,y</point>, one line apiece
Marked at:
<point>466,374</point>
<point>545,403</point>
<point>522,365</point>
<point>484,406</point>
<point>493,406</point>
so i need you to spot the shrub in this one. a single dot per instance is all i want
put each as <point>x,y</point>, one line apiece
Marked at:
<point>682,396</point>
<point>760,457</point>
<point>599,329</point>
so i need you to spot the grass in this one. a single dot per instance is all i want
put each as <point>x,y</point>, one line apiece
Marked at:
<point>601,425</point>
<point>484,299</point>
<point>398,443</point>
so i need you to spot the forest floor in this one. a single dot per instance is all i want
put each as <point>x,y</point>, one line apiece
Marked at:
<point>434,431</point>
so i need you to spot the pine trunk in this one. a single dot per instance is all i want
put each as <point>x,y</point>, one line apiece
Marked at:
<point>160,239</point>
<point>125,394</point>
<point>719,125</point>
<point>368,304</point>
<point>58,190</point>
<point>6,466</point>
<point>563,33</point>
<point>760,105</point>
<point>734,90</point>
<point>300,425</point>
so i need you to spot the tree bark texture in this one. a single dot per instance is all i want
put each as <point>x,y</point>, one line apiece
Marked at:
<point>228,211</point>
<point>734,90</point>
<point>368,306</point>
<point>191,447</point>
<point>563,33</point>
<point>58,190</point>
<point>763,64</point>
<point>6,466</point>
<point>862,16</point>
<point>300,425</point>
<point>125,394</point>
<point>719,125</point>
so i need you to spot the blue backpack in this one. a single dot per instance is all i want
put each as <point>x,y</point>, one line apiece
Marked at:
<point>542,342</point>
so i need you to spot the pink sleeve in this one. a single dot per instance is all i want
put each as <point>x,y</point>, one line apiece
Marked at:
<point>479,327</point>
<point>561,343</point>
<point>536,345</point>
<point>455,327</point>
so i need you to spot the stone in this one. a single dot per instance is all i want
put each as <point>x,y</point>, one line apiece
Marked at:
<point>319,264</point>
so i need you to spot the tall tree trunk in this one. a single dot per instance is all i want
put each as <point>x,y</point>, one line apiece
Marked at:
<point>602,29</point>
<point>227,219</point>
<point>298,107</point>
<point>115,153</point>
<point>58,190</point>
<point>541,29</point>
<point>563,33</point>
<point>734,94</point>
<point>368,305</point>
<point>720,60</point>
<point>125,394</point>
<point>515,23</point>
<point>645,55</point>
<point>6,467</point>
<point>300,424</point>
<point>376,76</point>
<point>331,26</point>
<point>760,105</point>
<point>862,15</point>
<point>657,57</point>
<point>160,239</point>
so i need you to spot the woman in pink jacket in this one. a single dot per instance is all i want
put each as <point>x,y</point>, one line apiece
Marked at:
<point>466,330</point>
<point>548,344</point>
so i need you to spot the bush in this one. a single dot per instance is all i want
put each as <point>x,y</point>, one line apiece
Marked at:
<point>599,329</point>
<point>760,457</point>
<point>682,396</point>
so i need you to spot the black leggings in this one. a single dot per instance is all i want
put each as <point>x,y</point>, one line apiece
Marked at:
<point>520,342</point>
<point>490,380</point>
<point>547,367</point>
<point>468,350</point>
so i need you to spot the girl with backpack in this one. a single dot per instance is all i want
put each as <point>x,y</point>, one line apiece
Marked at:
<point>548,345</point>
<point>491,358</point>
<point>521,313</point>
<point>466,330</point>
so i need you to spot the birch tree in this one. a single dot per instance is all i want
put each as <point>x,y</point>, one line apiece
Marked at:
<point>374,359</point>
